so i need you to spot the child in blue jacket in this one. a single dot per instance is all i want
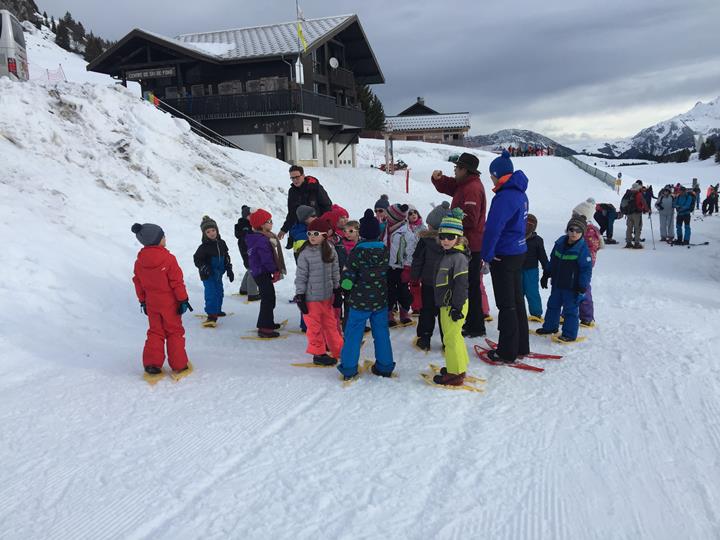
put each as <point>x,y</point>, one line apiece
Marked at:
<point>213,261</point>
<point>570,269</point>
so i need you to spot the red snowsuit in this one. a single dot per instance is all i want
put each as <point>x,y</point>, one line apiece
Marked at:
<point>159,283</point>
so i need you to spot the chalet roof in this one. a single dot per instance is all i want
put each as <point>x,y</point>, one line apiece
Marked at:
<point>259,41</point>
<point>429,121</point>
<point>418,109</point>
<point>255,43</point>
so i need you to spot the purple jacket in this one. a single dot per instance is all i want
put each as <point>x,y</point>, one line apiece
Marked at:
<point>260,254</point>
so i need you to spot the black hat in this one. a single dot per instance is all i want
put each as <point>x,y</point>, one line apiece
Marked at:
<point>469,161</point>
<point>369,226</point>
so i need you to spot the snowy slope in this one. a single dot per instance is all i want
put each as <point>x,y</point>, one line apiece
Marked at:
<point>618,440</point>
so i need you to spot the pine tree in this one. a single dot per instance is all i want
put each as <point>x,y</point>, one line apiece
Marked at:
<point>374,111</point>
<point>703,154</point>
<point>78,33</point>
<point>53,26</point>
<point>717,157</point>
<point>45,17</point>
<point>62,35</point>
<point>93,48</point>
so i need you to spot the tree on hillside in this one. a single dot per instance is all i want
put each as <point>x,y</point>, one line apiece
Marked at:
<point>53,26</point>
<point>78,33</point>
<point>93,48</point>
<point>717,157</point>
<point>374,111</point>
<point>45,17</point>
<point>62,35</point>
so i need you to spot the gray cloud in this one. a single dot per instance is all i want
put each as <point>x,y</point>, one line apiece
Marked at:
<point>518,64</point>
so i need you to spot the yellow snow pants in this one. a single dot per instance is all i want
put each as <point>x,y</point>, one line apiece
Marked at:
<point>456,355</point>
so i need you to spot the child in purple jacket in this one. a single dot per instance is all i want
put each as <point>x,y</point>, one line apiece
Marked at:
<point>266,267</point>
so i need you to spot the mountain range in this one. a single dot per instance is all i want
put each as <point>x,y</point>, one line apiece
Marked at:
<point>516,137</point>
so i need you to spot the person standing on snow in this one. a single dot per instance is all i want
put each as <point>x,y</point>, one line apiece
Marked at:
<point>664,206</point>
<point>633,207</point>
<point>305,190</point>
<point>684,204</point>
<point>503,254</point>
<point>468,194</point>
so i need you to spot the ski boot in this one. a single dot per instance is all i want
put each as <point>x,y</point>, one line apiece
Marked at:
<point>566,339</point>
<point>376,371</point>
<point>210,322</point>
<point>494,356</point>
<point>544,332</point>
<point>587,323</point>
<point>449,379</point>
<point>267,333</point>
<point>610,241</point>
<point>473,332</point>
<point>222,314</point>
<point>423,343</point>
<point>628,245</point>
<point>152,370</point>
<point>253,298</point>
<point>324,360</point>
<point>405,318</point>
<point>637,245</point>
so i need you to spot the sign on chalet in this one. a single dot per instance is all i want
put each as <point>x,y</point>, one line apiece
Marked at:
<point>421,123</point>
<point>246,85</point>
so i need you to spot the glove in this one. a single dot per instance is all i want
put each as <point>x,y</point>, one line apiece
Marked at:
<point>338,300</point>
<point>456,314</point>
<point>184,306</point>
<point>580,290</point>
<point>205,272</point>
<point>143,307</point>
<point>405,276</point>
<point>544,281</point>
<point>230,274</point>
<point>301,303</point>
<point>485,268</point>
<point>276,276</point>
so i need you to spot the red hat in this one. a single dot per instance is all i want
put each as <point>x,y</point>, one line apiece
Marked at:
<point>320,224</point>
<point>340,211</point>
<point>259,217</point>
<point>331,217</point>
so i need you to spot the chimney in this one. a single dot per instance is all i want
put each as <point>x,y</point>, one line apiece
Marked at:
<point>421,100</point>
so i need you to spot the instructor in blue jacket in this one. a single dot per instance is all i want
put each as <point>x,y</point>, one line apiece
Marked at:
<point>503,253</point>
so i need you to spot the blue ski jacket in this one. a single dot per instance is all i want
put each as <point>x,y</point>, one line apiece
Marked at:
<point>570,266</point>
<point>506,221</point>
<point>684,204</point>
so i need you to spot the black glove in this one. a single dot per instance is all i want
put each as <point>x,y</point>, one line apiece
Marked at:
<point>143,307</point>
<point>230,274</point>
<point>205,272</point>
<point>301,303</point>
<point>456,314</point>
<point>338,300</point>
<point>544,280</point>
<point>184,306</point>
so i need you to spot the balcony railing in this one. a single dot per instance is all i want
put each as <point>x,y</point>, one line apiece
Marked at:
<point>342,77</point>
<point>284,102</point>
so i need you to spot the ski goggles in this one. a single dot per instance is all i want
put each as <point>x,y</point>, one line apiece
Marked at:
<point>448,236</point>
<point>315,234</point>
<point>350,230</point>
<point>576,230</point>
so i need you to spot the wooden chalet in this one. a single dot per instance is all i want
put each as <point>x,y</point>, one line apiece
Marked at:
<point>247,84</point>
<point>421,123</point>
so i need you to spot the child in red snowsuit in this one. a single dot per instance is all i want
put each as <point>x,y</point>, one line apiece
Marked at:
<point>161,292</point>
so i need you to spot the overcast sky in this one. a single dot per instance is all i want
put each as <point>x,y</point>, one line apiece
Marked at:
<point>567,68</point>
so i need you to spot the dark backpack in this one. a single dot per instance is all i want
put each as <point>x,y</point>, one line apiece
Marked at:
<point>627,203</point>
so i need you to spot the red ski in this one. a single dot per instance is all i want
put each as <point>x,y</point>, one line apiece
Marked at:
<point>533,355</point>
<point>482,355</point>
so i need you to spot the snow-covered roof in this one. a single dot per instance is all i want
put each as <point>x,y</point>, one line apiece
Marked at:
<point>428,121</point>
<point>259,41</point>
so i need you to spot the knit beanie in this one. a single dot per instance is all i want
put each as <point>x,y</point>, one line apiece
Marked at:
<point>148,234</point>
<point>303,212</point>
<point>577,221</point>
<point>531,225</point>
<point>383,202</point>
<point>502,165</point>
<point>369,226</point>
<point>396,213</point>
<point>245,211</point>
<point>585,209</point>
<point>320,224</point>
<point>435,216</point>
<point>452,223</point>
<point>208,223</point>
<point>259,217</point>
<point>331,217</point>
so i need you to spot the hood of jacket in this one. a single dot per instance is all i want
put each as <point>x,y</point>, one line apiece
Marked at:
<point>517,181</point>
<point>153,256</point>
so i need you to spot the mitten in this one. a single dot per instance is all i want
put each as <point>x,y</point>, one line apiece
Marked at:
<point>205,272</point>
<point>184,306</point>
<point>485,269</point>
<point>544,280</point>
<point>301,303</point>
<point>338,300</point>
<point>143,307</point>
<point>456,314</point>
<point>230,274</point>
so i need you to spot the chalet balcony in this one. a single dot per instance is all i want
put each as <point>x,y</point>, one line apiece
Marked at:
<point>344,78</point>
<point>283,102</point>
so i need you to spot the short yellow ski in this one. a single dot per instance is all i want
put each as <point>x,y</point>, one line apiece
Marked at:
<point>153,379</point>
<point>178,375</point>
<point>579,339</point>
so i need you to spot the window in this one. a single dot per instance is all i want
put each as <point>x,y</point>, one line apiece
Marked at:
<point>230,87</point>
<point>456,137</point>
<point>197,90</point>
<point>18,32</point>
<point>171,92</point>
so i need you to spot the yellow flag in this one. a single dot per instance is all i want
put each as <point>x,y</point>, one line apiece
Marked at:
<point>301,36</point>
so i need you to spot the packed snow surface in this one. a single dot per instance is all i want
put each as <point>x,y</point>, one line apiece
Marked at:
<point>619,439</point>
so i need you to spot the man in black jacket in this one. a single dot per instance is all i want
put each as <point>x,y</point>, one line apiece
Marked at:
<point>305,190</point>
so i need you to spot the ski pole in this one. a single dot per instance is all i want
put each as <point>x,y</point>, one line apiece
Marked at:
<point>652,232</point>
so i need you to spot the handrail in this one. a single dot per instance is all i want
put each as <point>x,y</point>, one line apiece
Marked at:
<point>195,126</point>
<point>605,177</point>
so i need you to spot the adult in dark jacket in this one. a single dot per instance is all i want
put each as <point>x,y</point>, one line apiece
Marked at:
<point>503,252</point>
<point>243,228</point>
<point>468,194</point>
<point>605,216</point>
<point>305,190</point>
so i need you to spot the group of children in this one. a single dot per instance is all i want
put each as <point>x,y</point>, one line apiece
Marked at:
<point>351,273</point>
